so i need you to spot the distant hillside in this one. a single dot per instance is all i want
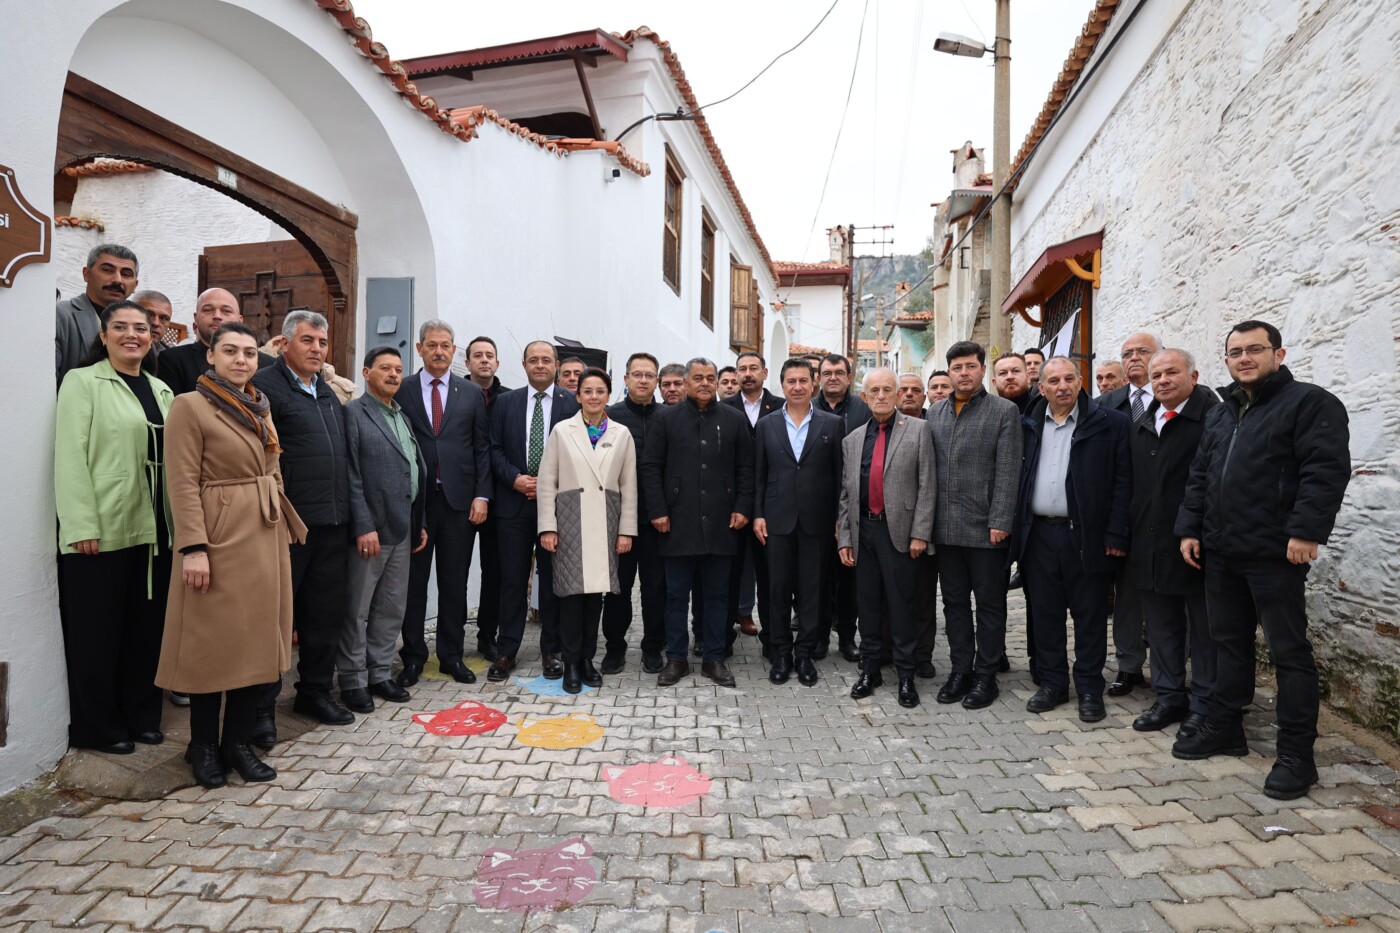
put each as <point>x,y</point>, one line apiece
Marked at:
<point>880,278</point>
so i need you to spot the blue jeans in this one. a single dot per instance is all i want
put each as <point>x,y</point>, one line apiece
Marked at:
<point>681,574</point>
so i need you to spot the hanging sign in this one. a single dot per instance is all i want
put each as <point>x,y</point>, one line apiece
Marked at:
<point>24,232</point>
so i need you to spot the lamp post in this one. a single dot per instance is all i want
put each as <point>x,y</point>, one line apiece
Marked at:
<point>1001,164</point>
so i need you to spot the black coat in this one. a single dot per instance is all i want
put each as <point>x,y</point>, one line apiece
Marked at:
<point>1275,471</point>
<point>792,493</point>
<point>637,419</point>
<point>459,456</point>
<point>766,406</point>
<point>181,366</point>
<point>1098,487</point>
<point>854,412</point>
<point>510,444</point>
<point>1160,467</point>
<point>315,460</point>
<point>697,469</point>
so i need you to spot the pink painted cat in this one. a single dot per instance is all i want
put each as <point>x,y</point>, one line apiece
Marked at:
<point>469,718</point>
<point>670,782</point>
<point>535,879</point>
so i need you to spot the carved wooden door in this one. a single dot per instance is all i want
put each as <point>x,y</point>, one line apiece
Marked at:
<point>269,280</point>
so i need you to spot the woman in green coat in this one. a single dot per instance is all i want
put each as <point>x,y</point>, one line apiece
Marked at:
<point>114,535</point>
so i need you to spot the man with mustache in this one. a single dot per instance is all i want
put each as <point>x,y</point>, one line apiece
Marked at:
<point>672,383</point>
<point>180,367</point>
<point>751,562</point>
<point>110,275</point>
<point>838,604</point>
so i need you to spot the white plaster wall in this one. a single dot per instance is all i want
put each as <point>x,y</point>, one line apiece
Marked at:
<point>1240,170</point>
<point>819,324</point>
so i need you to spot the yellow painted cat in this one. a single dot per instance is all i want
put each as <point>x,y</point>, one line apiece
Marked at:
<point>573,731</point>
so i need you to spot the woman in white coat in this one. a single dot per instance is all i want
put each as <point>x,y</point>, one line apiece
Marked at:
<point>587,498</point>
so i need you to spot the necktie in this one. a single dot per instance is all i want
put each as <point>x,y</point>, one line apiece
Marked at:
<point>535,452</point>
<point>1137,403</point>
<point>437,407</point>
<point>486,394</point>
<point>1168,415</point>
<point>877,471</point>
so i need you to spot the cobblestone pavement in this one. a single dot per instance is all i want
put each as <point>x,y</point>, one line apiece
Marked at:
<point>823,813</point>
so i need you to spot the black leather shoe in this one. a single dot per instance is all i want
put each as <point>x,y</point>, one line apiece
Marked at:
<point>955,689</point>
<point>717,671</point>
<point>239,757</point>
<point>614,662</point>
<point>573,678</point>
<point>1158,717</point>
<point>820,652</point>
<point>151,737</point>
<point>264,728</point>
<point>806,672</point>
<point>984,691</point>
<point>323,709</point>
<point>925,670</point>
<point>1190,725</point>
<point>1291,778</point>
<point>409,675</point>
<point>652,663</point>
<point>866,684</point>
<point>1210,740</point>
<point>178,699</point>
<point>553,667</point>
<point>850,650</point>
<point>1091,707</point>
<point>357,700</point>
<point>124,747</point>
<point>908,693</point>
<point>780,671</point>
<point>487,649</point>
<point>1004,665</point>
<point>1045,699</point>
<point>591,677</point>
<point>459,672</point>
<point>500,669</point>
<point>388,690</point>
<point>672,673</point>
<point>1015,582</point>
<point>206,765</point>
<point>1124,683</point>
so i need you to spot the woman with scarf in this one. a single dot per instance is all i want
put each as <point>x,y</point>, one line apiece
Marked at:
<point>228,628</point>
<point>587,497</point>
<point>113,531</point>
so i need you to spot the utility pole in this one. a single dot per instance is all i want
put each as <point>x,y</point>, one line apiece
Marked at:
<point>1001,171</point>
<point>879,330</point>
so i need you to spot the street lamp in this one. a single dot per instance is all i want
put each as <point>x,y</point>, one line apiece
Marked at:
<point>953,44</point>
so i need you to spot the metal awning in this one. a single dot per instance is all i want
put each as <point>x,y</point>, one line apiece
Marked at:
<point>1056,266</point>
<point>587,45</point>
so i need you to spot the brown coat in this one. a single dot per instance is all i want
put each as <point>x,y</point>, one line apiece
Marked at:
<point>226,493</point>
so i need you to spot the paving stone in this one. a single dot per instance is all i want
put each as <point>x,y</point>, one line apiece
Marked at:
<point>1212,914</point>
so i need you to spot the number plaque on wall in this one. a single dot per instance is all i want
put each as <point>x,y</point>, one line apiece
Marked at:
<point>24,232</point>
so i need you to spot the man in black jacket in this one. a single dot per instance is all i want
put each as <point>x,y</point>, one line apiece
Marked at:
<point>1263,494</point>
<point>181,366</point>
<point>755,402</point>
<point>482,363</point>
<point>636,412</point>
<point>110,275</point>
<point>797,488</point>
<point>316,475</point>
<point>697,477</point>
<point>1163,443</point>
<point>838,603</point>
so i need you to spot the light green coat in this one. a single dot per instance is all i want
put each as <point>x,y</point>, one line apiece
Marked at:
<point>101,476</point>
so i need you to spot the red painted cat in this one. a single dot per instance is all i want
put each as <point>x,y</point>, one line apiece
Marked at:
<point>535,879</point>
<point>468,718</point>
<point>670,782</point>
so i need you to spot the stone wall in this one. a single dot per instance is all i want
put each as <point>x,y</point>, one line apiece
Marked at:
<point>1249,171</point>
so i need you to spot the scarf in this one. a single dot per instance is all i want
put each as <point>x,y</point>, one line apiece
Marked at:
<point>249,408</point>
<point>594,433</point>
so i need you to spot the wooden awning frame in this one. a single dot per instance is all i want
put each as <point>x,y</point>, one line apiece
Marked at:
<point>1048,274</point>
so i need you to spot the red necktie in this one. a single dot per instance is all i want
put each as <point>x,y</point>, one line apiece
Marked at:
<point>1168,415</point>
<point>437,407</point>
<point>877,471</point>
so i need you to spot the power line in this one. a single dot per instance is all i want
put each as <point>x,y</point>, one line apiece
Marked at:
<point>774,61</point>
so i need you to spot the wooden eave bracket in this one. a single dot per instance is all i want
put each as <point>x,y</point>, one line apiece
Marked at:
<point>1090,275</point>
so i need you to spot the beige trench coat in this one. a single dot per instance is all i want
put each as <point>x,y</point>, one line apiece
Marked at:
<point>226,493</point>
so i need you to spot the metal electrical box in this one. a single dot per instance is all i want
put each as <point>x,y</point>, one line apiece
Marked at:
<point>389,303</point>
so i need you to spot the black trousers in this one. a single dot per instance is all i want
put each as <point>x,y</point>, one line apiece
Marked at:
<point>1055,581</point>
<point>926,605</point>
<point>794,574</point>
<point>111,641</point>
<point>885,580</point>
<point>1177,628</point>
<point>1242,594</point>
<point>488,610</point>
<point>643,563</point>
<point>1129,624</point>
<point>450,534</point>
<point>320,604</point>
<point>240,708</point>
<point>748,546</point>
<point>712,572</point>
<point>518,540</point>
<point>578,626</point>
<point>966,572</point>
<point>1030,624</point>
<point>838,601</point>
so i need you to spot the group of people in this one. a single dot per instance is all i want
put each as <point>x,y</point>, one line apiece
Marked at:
<point>213,498</point>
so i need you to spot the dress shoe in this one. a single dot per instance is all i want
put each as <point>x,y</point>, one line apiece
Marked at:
<point>820,652</point>
<point>1158,717</point>
<point>1015,582</point>
<point>239,756</point>
<point>1291,778</point>
<point>1209,739</point>
<point>459,672</point>
<point>652,663</point>
<point>150,737</point>
<point>487,649</point>
<point>389,690</point>
<point>955,689</point>
<point>573,678</point>
<point>1190,725</point>
<point>866,684</point>
<point>264,733</point>
<point>500,669</point>
<point>357,700</point>
<point>591,677</point>
<point>984,691</point>
<point>806,672</point>
<point>925,670</point>
<point>908,693</point>
<point>320,707</point>
<point>410,675</point>
<point>614,662</point>
<point>672,673</point>
<point>718,671</point>
<point>206,764</point>
<point>747,626</point>
<point>1124,683</point>
<point>781,670</point>
<point>1045,699</point>
<point>553,667</point>
<point>124,747</point>
<point>1004,665</point>
<point>1091,707</point>
<point>179,699</point>
<point>850,650</point>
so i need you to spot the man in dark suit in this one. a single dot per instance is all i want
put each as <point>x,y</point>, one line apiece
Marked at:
<point>521,422</point>
<point>482,363</point>
<point>388,482</point>
<point>834,376</point>
<point>1163,443</point>
<point>797,486</point>
<point>697,477</point>
<point>110,275</point>
<point>911,402</point>
<point>755,402</point>
<point>181,366</point>
<point>1072,527</point>
<point>453,431</point>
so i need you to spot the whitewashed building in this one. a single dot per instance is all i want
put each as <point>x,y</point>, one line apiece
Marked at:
<point>962,279</point>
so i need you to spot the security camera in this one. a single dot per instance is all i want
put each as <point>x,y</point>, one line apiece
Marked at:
<point>613,175</point>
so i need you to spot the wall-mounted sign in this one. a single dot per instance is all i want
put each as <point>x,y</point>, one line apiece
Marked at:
<point>24,232</point>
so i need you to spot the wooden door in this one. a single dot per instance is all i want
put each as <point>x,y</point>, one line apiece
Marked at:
<point>269,280</point>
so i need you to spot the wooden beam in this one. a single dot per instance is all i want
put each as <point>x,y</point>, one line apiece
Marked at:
<point>588,96</point>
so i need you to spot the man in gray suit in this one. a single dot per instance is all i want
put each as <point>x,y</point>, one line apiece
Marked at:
<point>388,479</point>
<point>110,275</point>
<point>884,526</point>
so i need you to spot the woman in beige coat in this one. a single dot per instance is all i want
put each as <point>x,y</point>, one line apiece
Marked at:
<point>587,498</point>
<point>228,625</point>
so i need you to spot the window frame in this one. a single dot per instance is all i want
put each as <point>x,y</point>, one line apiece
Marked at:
<point>672,220</point>
<point>708,241</point>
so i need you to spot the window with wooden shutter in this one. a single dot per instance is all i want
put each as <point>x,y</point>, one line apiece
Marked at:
<point>671,246</point>
<point>707,271</point>
<point>741,299</point>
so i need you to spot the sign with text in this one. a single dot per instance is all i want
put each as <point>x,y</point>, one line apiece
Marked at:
<point>24,232</point>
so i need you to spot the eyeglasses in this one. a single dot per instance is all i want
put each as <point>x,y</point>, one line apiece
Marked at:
<point>638,374</point>
<point>1137,351</point>
<point>1254,349</point>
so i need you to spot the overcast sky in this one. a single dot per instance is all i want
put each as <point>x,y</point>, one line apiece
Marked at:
<point>909,105</point>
